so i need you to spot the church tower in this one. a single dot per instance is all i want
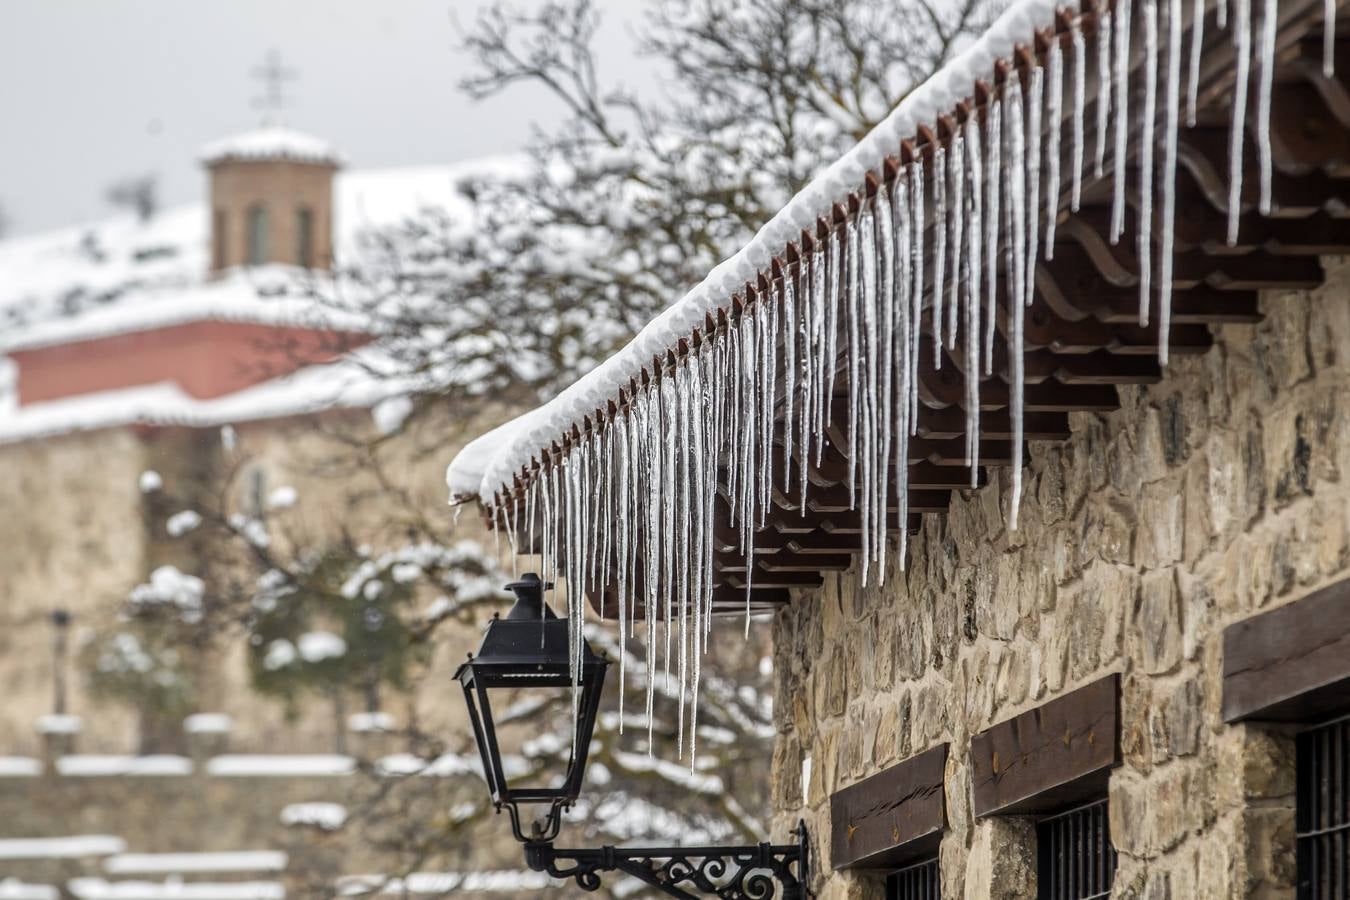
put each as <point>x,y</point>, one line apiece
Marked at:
<point>271,192</point>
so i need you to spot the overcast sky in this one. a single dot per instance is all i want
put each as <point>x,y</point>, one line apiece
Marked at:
<point>95,90</point>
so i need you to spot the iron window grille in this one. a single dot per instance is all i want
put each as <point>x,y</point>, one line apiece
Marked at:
<point>1322,811</point>
<point>915,882</point>
<point>1075,858</point>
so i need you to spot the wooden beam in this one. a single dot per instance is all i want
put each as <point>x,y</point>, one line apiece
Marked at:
<point>1050,757</point>
<point>1291,664</point>
<point>892,817</point>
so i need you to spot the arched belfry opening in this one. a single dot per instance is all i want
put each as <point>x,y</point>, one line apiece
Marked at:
<point>271,189</point>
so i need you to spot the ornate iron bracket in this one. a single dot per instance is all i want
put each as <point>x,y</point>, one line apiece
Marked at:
<point>733,873</point>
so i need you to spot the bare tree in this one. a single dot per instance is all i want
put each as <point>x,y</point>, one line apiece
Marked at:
<point>137,193</point>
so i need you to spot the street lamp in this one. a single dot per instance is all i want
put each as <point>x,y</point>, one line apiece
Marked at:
<point>529,649</point>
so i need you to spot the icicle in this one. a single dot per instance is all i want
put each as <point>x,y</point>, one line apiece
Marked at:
<point>867,269</point>
<point>1031,208</point>
<point>829,360</point>
<point>994,174</point>
<point>1144,235</point>
<point>1270,18</point>
<point>916,293</point>
<point>885,243</point>
<point>1242,40</point>
<point>1079,100</point>
<point>1121,79</point>
<point>1018,211</point>
<point>1055,111</point>
<point>939,247</point>
<point>1329,38</point>
<point>749,363</point>
<point>854,357</point>
<point>972,306</point>
<point>789,296</point>
<point>681,539</point>
<point>1104,44</point>
<point>1221,14</point>
<point>956,166</point>
<point>1169,177</point>
<point>902,345</point>
<point>1197,50</point>
<point>768,366</point>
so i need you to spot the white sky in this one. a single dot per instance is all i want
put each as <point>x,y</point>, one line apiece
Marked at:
<point>95,90</point>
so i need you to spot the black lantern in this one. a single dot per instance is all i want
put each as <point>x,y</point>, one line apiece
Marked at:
<point>530,649</point>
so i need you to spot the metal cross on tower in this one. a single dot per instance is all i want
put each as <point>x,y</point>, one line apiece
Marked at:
<point>273,77</point>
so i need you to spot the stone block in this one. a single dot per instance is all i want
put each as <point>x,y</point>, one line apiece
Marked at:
<point>1002,861</point>
<point>1158,623</point>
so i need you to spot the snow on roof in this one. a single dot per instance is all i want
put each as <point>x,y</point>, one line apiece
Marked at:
<point>271,142</point>
<point>490,462</point>
<point>99,889</point>
<point>102,765</point>
<point>489,882</point>
<point>208,723</point>
<point>289,766</point>
<point>184,863</point>
<point>326,816</point>
<point>74,847</point>
<point>19,767</point>
<point>14,889</point>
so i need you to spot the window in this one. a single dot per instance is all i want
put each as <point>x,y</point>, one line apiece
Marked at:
<point>218,239</point>
<point>1076,859</point>
<point>1322,811</point>
<point>916,882</point>
<point>257,235</point>
<point>304,235</point>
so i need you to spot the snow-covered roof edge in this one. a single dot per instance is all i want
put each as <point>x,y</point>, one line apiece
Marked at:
<point>271,143</point>
<point>491,461</point>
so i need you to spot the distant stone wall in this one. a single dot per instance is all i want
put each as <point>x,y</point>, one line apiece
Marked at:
<point>78,534</point>
<point>1205,498</point>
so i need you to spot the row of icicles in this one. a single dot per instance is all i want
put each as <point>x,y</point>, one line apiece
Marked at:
<point>629,507</point>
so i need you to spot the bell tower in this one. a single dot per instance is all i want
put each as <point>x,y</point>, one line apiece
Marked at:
<point>271,189</point>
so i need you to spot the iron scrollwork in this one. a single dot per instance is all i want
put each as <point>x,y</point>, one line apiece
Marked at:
<point>748,872</point>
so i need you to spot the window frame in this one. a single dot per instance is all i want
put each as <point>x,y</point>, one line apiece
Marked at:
<point>1096,865</point>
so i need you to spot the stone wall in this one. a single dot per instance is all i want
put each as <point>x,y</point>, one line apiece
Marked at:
<point>1205,498</point>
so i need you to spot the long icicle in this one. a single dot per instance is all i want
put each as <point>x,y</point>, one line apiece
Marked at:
<point>1079,100</point>
<point>1169,177</point>
<point>1242,40</point>
<point>916,294</point>
<point>939,247</point>
<point>1121,79</point>
<point>1144,231</point>
<point>974,269</point>
<point>994,176</point>
<point>1054,109</point>
<point>956,166</point>
<point>1197,50</point>
<point>1105,42</point>
<point>1270,18</point>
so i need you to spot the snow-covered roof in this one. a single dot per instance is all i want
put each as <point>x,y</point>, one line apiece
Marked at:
<point>489,463</point>
<point>122,276</point>
<point>272,142</point>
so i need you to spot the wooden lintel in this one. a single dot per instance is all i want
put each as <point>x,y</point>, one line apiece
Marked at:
<point>891,817</point>
<point>1291,663</point>
<point>1050,757</point>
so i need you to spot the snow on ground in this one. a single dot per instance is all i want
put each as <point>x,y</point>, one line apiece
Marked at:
<point>370,721</point>
<point>300,765</point>
<point>89,765</point>
<point>73,847</point>
<point>99,889</point>
<point>185,863</point>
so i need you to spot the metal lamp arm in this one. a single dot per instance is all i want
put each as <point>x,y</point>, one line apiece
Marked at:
<point>742,872</point>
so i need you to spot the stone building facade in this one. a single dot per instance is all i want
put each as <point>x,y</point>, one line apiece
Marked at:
<point>1206,499</point>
